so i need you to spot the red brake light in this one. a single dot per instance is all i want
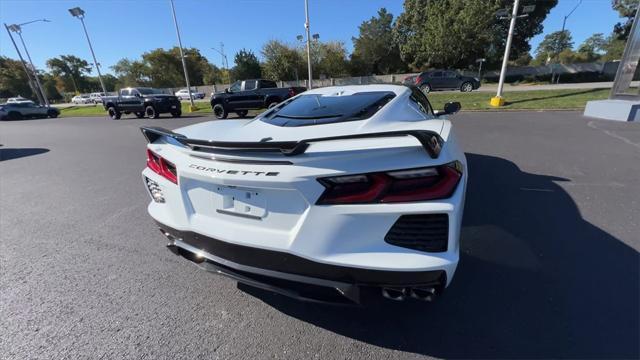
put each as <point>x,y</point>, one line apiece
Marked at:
<point>161,166</point>
<point>393,186</point>
<point>418,80</point>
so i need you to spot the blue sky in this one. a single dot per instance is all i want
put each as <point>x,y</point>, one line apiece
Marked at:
<point>127,28</point>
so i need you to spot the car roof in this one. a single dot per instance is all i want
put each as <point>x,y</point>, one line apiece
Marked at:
<point>352,89</point>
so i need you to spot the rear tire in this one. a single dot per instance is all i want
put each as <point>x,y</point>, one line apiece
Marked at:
<point>140,114</point>
<point>426,88</point>
<point>52,114</point>
<point>466,87</point>
<point>151,112</point>
<point>114,114</point>
<point>242,113</point>
<point>219,111</point>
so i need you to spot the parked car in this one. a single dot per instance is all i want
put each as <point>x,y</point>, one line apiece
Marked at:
<point>442,80</point>
<point>183,94</point>
<point>21,110</point>
<point>252,94</point>
<point>342,195</point>
<point>18,100</point>
<point>81,99</point>
<point>96,97</point>
<point>141,101</point>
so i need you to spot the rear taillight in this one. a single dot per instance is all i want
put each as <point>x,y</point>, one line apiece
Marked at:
<point>161,166</point>
<point>421,184</point>
<point>418,80</point>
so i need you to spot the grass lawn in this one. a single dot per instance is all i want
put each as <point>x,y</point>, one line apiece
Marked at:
<point>517,100</point>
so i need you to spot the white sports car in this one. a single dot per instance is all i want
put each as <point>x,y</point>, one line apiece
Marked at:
<point>334,194</point>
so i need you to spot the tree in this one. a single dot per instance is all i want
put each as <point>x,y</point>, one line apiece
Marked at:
<point>72,70</point>
<point>626,9</point>
<point>613,48</point>
<point>592,48</point>
<point>247,65</point>
<point>454,33</point>
<point>333,60</point>
<point>13,79</point>
<point>214,75</point>
<point>377,45</point>
<point>281,62</point>
<point>553,44</point>
<point>130,73</point>
<point>49,84</point>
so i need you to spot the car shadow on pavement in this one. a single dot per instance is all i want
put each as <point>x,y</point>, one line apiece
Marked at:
<point>535,280</point>
<point>13,153</point>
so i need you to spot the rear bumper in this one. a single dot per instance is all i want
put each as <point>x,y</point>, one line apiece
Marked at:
<point>292,275</point>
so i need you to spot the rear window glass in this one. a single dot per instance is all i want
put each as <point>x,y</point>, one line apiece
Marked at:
<point>313,109</point>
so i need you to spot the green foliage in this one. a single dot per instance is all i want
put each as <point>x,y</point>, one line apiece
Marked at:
<point>333,60</point>
<point>247,66</point>
<point>72,71</point>
<point>13,79</point>
<point>49,84</point>
<point>627,10</point>
<point>130,73</point>
<point>553,44</point>
<point>437,33</point>
<point>282,62</point>
<point>375,50</point>
<point>613,48</point>
<point>592,48</point>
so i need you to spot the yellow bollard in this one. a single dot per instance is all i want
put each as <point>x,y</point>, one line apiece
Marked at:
<point>497,101</point>
<point>192,108</point>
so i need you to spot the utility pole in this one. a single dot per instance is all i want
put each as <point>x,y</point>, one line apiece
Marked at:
<point>35,85</point>
<point>225,62</point>
<point>564,23</point>
<point>184,63</point>
<point>306,26</point>
<point>79,13</point>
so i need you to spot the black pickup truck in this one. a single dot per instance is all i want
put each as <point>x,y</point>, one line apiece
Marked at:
<point>252,94</point>
<point>142,102</point>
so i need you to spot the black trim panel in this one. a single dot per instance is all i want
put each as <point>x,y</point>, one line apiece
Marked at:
<point>292,264</point>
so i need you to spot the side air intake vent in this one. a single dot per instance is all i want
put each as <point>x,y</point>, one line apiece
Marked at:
<point>425,232</point>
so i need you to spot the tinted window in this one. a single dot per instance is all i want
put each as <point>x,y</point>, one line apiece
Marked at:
<point>315,109</point>
<point>436,74</point>
<point>450,74</point>
<point>124,92</point>
<point>267,84</point>
<point>235,86</point>
<point>146,91</point>
<point>421,101</point>
<point>250,85</point>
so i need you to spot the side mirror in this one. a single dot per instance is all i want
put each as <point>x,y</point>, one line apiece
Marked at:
<point>451,107</point>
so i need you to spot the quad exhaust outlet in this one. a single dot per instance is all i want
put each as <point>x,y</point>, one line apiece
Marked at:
<point>423,293</point>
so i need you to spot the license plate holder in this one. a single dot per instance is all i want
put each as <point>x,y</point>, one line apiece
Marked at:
<point>246,203</point>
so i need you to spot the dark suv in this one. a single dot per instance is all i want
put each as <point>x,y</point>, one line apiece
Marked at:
<point>442,80</point>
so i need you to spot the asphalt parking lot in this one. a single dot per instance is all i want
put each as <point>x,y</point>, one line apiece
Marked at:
<point>549,262</point>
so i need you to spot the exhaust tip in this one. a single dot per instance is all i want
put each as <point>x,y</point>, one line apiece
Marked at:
<point>395,294</point>
<point>423,293</point>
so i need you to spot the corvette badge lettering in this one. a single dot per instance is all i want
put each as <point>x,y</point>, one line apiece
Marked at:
<point>233,172</point>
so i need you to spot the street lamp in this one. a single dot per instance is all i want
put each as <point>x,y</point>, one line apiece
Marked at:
<point>17,28</point>
<point>79,13</point>
<point>184,63</point>
<point>564,23</point>
<point>225,61</point>
<point>498,100</point>
<point>306,26</point>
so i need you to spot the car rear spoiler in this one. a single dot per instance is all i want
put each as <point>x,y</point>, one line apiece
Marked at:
<point>431,142</point>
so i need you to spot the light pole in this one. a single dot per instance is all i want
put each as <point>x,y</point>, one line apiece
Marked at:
<point>225,62</point>
<point>564,23</point>
<point>306,26</point>
<point>184,63</point>
<point>480,61</point>
<point>498,100</point>
<point>17,28</point>
<point>79,13</point>
<point>24,65</point>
